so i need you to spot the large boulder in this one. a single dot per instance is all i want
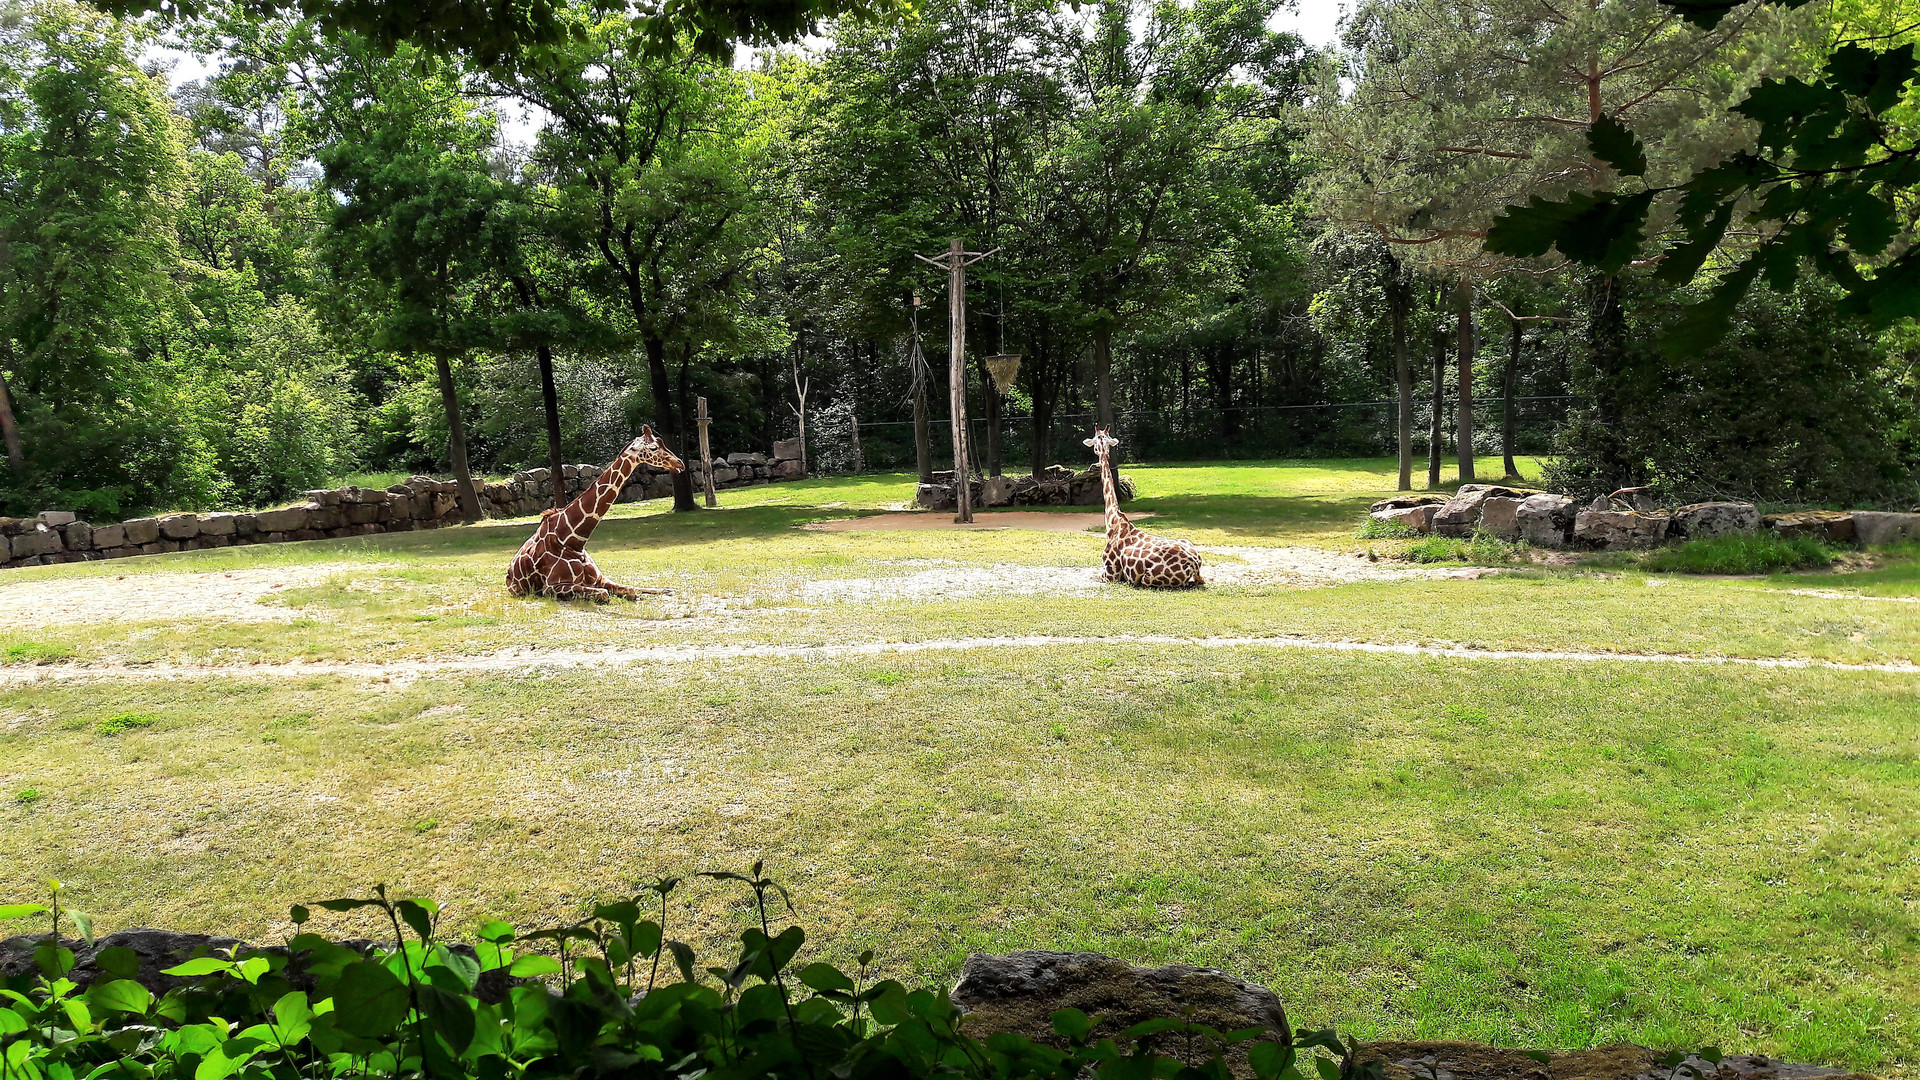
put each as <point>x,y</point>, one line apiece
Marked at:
<point>1461,514</point>
<point>153,950</point>
<point>1019,993</point>
<point>1620,529</point>
<point>1545,520</point>
<point>179,526</point>
<point>786,469</point>
<point>996,491</point>
<point>1409,499</point>
<point>41,541</point>
<point>109,536</point>
<point>737,460</point>
<point>217,525</point>
<point>934,497</point>
<point>57,518</point>
<point>1872,528</point>
<point>1419,518</point>
<point>786,450</point>
<point>1715,519</point>
<point>1828,526</point>
<point>1500,516</point>
<point>141,530</point>
<point>269,521</point>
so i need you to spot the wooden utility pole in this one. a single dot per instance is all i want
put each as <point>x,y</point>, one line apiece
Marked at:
<point>955,263</point>
<point>706,455</point>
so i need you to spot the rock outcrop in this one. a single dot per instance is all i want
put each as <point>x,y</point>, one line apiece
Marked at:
<point>1875,527</point>
<point>1714,519</point>
<point>1476,1061</point>
<point>1620,529</point>
<point>1057,486</point>
<point>1461,514</point>
<point>1830,526</point>
<point>1019,992</point>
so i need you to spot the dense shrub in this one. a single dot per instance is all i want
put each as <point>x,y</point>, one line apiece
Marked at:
<point>1794,406</point>
<point>598,1002</point>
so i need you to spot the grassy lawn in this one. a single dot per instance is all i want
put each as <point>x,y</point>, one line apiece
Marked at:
<point>1548,852</point>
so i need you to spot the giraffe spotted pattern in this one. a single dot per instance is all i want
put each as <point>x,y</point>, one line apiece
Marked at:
<point>554,561</point>
<point>1134,557</point>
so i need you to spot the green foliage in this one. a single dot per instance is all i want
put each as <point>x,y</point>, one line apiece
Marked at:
<point>591,999</point>
<point>121,723</point>
<point>1795,405</point>
<point>1822,187</point>
<point>1761,553</point>
<point>26,796</point>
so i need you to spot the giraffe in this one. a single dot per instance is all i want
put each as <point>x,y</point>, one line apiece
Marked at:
<point>554,560</point>
<point>1133,556</point>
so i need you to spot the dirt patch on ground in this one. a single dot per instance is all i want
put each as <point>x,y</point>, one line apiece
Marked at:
<point>1002,519</point>
<point>230,595</point>
<point>1290,567</point>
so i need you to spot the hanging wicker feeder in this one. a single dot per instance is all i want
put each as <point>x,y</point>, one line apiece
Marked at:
<point>1003,367</point>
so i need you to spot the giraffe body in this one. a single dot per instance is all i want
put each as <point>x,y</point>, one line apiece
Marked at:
<point>1135,557</point>
<point>554,561</point>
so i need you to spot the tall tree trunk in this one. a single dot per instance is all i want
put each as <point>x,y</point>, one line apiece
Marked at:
<point>922,437</point>
<point>1463,311</point>
<point>667,419</point>
<point>1103,374</point>
<point>1508,382</point>
<point>552,398</point>
<point>457,442</point>
<point>1397,302</point>
<point>1437,430</point>
<point>1607,345</point>
<point>16,458</point>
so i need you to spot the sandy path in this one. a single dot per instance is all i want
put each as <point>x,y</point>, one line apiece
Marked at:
<point>533,659</point>
<point>231,595</point>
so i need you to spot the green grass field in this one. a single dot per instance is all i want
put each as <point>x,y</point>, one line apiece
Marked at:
<point>952,742</point>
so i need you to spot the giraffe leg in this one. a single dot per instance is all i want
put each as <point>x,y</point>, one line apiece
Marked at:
<point>626,592</point>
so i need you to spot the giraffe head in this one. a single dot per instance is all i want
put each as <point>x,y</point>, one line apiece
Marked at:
<point>653,453</point>
<point>1101,442</point>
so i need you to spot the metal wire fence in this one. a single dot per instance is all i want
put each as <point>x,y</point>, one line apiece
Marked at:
<point>1344,429</point>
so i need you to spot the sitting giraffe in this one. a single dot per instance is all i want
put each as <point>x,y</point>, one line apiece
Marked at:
<point>554,562</point>
<point>1133,556</point>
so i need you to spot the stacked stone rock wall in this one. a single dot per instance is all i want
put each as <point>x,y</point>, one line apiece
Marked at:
<point>422,502</point>
<point>1057,486</point>
<point>1626,520</point>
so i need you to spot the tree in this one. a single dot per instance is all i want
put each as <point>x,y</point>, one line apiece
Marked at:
<point>419,224</point>
<point>649,158</point>
<point>91,156</point>
<point>1460,110</point>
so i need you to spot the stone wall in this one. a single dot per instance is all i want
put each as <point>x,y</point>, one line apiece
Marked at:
<point>422,502</point>
<point>1627,519</point>
<point>1057,486</point>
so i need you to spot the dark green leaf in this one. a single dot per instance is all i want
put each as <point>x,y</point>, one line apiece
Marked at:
<point>121,995</point>
<point>825,977</point>
<point>369,1000</point>
<point>1327,1068</point>
<point>449,1014</point>
<point>118,961</point>
<point>418,915</point>
<point>1612,142</point>
<point>1072,1025</point>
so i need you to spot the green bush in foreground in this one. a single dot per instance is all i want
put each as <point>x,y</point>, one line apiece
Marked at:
<point>599,1008</point>
<point>1758,553</point>
<point>121,723</point>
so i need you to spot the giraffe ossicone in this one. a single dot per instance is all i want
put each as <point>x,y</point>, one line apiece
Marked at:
<point>1151,562</point>
<point>554,561</point>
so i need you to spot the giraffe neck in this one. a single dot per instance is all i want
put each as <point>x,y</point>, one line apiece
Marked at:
<point>575,524</point>
<point>1116,521</point>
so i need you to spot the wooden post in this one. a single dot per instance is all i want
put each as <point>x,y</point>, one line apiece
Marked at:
<point>706,456</point>
<point>957,376</point>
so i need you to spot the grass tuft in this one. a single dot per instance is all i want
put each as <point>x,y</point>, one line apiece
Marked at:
<point>27,796</point>
<point>1479,549</point>
<point>124,722</point>
<point>1372,528</point>
<point>35,652</point>
<point>1760,553</point>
